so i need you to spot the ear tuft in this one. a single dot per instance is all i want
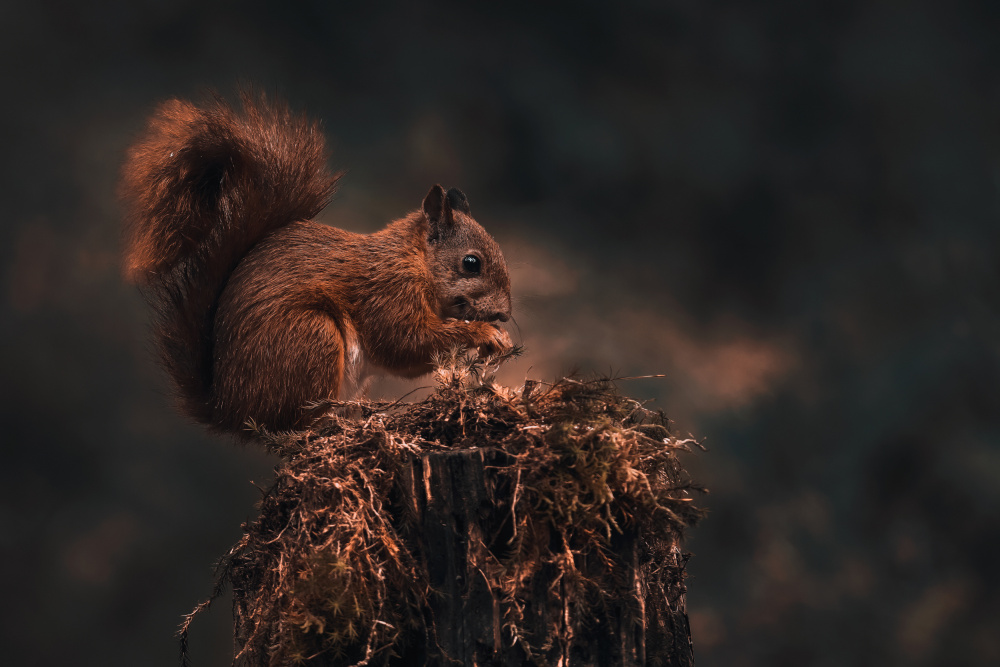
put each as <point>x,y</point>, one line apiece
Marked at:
<point>457,202</point>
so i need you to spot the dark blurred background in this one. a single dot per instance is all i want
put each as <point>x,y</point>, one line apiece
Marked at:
<point>790,209</point>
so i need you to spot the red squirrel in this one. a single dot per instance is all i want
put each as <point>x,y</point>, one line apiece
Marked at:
<point>259,311</point>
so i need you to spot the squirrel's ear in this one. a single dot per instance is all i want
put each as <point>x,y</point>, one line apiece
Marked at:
<point>455,201</point>
<point>434,204</point>
<point>434,209</point>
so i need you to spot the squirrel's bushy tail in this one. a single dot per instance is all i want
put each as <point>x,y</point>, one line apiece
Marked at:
<point>201,187</point>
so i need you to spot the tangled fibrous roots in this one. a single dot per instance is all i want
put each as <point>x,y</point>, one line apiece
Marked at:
<point>326,570</point>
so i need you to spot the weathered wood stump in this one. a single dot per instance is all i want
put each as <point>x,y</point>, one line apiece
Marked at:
<point>461,502</point>
<point>482,526</point>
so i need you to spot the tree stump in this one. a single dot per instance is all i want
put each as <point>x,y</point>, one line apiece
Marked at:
<point>461,502</point>
<point>482,526</point>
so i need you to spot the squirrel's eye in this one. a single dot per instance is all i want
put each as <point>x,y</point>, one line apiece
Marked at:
<point>471,264</point>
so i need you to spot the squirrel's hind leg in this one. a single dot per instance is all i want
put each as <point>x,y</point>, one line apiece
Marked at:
<point>279,365</point>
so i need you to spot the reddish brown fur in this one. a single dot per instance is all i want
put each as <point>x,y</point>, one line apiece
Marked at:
<point>261,311</point>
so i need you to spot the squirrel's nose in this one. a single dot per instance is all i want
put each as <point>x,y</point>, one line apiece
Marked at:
<point>503,317</point>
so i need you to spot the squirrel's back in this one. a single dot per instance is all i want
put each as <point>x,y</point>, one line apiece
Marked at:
<point>201,187</point>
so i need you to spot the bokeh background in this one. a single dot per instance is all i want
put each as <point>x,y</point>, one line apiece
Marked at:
<point>790,209</point>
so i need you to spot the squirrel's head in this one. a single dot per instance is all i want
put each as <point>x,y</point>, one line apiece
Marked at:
<point>468,269</point>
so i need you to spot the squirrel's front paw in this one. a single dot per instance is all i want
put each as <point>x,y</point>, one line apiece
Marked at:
<point>497,342</point>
